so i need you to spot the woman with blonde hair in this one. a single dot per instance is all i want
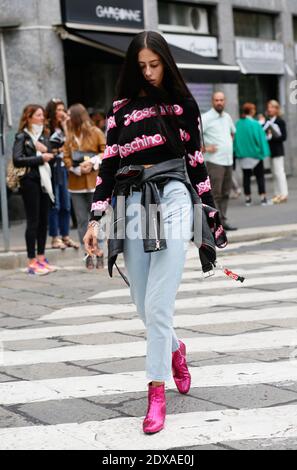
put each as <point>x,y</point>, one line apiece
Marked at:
<point>83,146</point>
<point>32,150</point>
<point>276,131</point>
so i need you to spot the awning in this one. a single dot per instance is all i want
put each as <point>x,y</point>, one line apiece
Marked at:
<point>194,67</point>
<point>258,67</point>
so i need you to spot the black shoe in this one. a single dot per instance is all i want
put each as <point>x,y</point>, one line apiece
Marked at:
<point>229,227</point>
<point>89,262</point>
<point>100,262</point>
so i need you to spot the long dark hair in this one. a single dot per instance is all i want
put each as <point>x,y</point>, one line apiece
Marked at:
<point>50,114</point>
<point>174,89</point>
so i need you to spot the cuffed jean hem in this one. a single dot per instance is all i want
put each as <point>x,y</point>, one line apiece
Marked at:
<point>159,379</point>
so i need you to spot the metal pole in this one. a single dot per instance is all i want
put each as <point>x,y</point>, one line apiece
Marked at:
<point>4,208</point>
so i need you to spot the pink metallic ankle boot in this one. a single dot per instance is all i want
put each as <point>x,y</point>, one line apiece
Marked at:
<point>181,374</point>
<point>156,410</point>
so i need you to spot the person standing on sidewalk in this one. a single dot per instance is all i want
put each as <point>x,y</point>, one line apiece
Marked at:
<point>59,214</point>
<point>276,131</point>
<point>153,132</point>
<point>32,150</point>
<point>218,132</point>
<point>251,147</point>
<point>84,142</point>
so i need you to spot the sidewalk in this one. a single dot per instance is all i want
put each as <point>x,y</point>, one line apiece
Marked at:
<point>254,223</point>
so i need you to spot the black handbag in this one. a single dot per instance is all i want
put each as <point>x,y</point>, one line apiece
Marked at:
<point>79,156</point>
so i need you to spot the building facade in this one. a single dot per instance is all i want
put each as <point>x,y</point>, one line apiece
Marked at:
<point>73,50</point>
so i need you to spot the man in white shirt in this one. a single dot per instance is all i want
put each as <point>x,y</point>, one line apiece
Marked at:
<point>218,131</point>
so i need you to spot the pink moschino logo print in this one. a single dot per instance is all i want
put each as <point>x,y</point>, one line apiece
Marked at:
<point>98,181</point>
<point>110,123</point>
<point>140,114</point>
<point>141,143</point>
<point>185,136</point>
<point>204,186</point>
<point>110,151</point>
<point>196,158</point>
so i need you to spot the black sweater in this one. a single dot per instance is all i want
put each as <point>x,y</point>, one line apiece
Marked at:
<point>133,137</point>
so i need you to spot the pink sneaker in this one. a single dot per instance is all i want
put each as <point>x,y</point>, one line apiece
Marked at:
<point>47,266</point>
<point>36,268</point>
<point>156,410</point>
<point>181,374</point>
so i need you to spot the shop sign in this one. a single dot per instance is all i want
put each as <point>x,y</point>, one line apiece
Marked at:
<point>104,14</point>
<point>203,45</point>
<point>259,49</point>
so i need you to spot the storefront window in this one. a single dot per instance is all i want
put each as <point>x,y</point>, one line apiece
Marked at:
<point>257,89</point>
<point>186,17</point>
<point>254,25</point>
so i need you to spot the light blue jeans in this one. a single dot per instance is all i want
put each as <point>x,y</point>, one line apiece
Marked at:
<point>155,277</point>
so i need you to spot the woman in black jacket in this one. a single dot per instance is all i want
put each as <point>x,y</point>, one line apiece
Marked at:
<point>276,131</point>
<point>32,150</point>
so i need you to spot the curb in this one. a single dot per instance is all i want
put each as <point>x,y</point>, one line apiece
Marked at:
<point>18,259</point>
<point>260,233</point>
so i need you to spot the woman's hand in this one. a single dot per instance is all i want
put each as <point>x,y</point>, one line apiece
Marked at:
<point>86,167</point>
<point>40,147</point>
<point>90,239</point>
<point>47,157</point>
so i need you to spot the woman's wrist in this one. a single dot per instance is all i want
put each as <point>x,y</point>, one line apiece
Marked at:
<point>94,224</point>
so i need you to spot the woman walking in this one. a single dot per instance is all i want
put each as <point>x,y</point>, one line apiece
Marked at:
<point>276,131</point>
<point>59,214</point>
<point>154,124</point>
<point>251,147</point>
<point>84,142</point>
<point>32,150</point>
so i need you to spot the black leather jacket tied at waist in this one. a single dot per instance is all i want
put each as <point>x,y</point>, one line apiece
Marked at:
<point>208,231</point>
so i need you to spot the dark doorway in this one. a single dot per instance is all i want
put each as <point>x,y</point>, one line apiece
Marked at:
<point>91,75</point>
<point>258,89</point>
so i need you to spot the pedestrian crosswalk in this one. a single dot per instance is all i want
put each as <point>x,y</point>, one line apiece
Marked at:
<point>267,298</point>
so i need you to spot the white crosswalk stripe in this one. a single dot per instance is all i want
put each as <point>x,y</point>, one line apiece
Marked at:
<point>237,299</point>
<point>180,321</point>
<point>186,429</point>
<point>226,375</point>
<point>244,342</point>
<point>211,283</point>
<point>261,299</point>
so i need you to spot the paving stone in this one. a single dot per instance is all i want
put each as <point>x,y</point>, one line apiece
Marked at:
<point>220,358</point>
<point>245,396</point>
<point>175,403</point>
<point>10,419</point>
<point>104,338</point>
<point>207,447</point>
<point>283,323</point>
<point>36,344</point>
<point>6,378</point>
<point>265,355</point>
<point>46,371</point>
<point>263,444</point>
<point>114,366</point>
<point>12,322</point>
<point>230,329</point>
<point>67,411</point>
